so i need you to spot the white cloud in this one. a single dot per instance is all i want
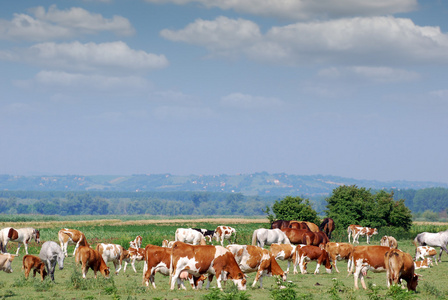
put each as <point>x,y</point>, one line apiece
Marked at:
<point>249,102</point>
<point>61,24</point>
<point>89,57</point>
<point>305,9</point>
<point>354,41</point>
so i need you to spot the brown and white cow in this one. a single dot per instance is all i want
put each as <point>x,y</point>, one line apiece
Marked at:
<point>425,251</point>
<point>131,256</point>
<point>339,251</point>
<point>357,231</point>
<point>136,243</point>
<point>285,252</point>
<point>5,262</point>
<point>399,266</point>
<point>389,241</point>
<point>224,233</point>
<point>308,253</point>
<point>114,253</point>
<point>364,258</point>
<point>91,258</point>
<point>256,259</point>
<point>423,264</point>
<point>71,236</point>
<point>167,243</point>
<point>32,262</point>
<point>205,259</point>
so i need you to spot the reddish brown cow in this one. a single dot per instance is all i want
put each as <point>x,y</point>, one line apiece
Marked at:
<point>157,260</point>
<point>299,236</point>
<point>399,266</point>
<point>31,262</point>
<point>309,253</point>
<point>91,258</point>
<point>339,251</point>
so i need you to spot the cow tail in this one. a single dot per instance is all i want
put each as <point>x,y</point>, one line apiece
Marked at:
<point>254,238</point>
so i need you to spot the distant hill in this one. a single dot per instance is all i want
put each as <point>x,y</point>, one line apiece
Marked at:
<point>262,184</point>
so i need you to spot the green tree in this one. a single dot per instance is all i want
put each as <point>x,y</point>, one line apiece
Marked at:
<point>292,208</point>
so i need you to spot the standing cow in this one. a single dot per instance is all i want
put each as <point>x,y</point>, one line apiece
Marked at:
<point>50,254</point>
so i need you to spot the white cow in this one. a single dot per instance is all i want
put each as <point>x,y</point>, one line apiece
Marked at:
<point>189,236</point>
<point>112,252</point>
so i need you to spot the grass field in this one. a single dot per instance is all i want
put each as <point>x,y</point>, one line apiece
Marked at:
<point>70,285</point>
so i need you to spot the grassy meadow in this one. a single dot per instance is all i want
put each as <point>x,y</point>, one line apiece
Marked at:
<point>70,285</point>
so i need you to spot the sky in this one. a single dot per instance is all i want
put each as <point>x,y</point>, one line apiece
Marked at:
<point>352,88</point>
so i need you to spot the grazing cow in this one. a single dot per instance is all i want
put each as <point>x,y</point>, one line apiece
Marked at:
<point>168,244</point>
<point>112,252</point>
<point>327,226</point>
<point>91,258</point>
<point>299,236</point>
<point>425,251</point>
<point>357,231</point>
<point>264,236</point>
<point>205,259</point>
<point>423,264</point>
<point>224,233</point>
<point>309,253</point>
<point>364,258</point>
<point>255,259</point>
<point>285,252</point>
<point>389,241</point>
<point>439,239</point>
<point>136,243</point>
<point>50,254</point>
<point>71,236</point>
<point>21,236</point>
<point>31,262</point>
<point>131,255</point>
<point>189,236</point>
<point>5,262</point>
<point>208,234</point>
<point>339,251</point>
<point>399,266</point>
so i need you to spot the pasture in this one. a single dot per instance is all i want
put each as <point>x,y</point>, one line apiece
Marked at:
<point>70,285</point>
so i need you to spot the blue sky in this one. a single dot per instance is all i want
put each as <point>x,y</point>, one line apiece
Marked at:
<point>349,88</point>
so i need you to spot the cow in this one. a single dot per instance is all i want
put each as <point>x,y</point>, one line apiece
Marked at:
<point>364,258</point>
<point>91,258</point>
<point>389,241</point>
<point>167,243</point>
<point>224,233</point>
<point>425,251</point>
<point>438,239</point>
<point>71,236</point>
<point>357,231</point>
<point>50,254</point>
<point>32,262</point>
<point>256,259</point>
<point>308,253</point>
<point>114,253</point>
<point>399,266</point>
<point>136,243</point>
<point>205,259</point>
<point>339,251</point>
<point>5,262</point>
<point>189,236</point>
<point>423,264</point>
<point>285,252</point>
<point>208,234</point>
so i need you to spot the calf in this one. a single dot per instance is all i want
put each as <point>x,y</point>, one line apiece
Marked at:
<point>5,262</point>
<point>91,258</point>
<point>256,259</point>
<point>112,252</point>
<point>224,233</point>
<point>31,262</point>
<point>131,255</point>
<point>389,241</point>
<point>136,243</point>
<point>364,258</point>
<point>399,266</point>
<point>205,259</point>
<point>357,231</point>
<point>425,251</point>
<point>285,252</point>
<point>423,264</point>
<point>71,236</point>
<point>339,251</point>
<point>308,253</point>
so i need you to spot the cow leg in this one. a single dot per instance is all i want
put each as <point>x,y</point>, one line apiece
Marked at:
<point>27,272</point>
<point>258,277</point>
<point>317,269</point>
<point>335,260</point>
<point>349,234</point>
<point>84,270</point>
<point>368,239</point>
<point>133,264</point>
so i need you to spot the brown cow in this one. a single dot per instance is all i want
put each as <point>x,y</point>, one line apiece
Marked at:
<point>339,251</point>
<point>71,236</point>
<point>399,266</point>
<point>364,258</point>
<point>205,259</point>
<point>157,260</point>
<point>389,241</point>
<point>299,236</point>
<point>309,253</point>
<point>31,262</point>
<point>256,259</point>
<point>91,258</point>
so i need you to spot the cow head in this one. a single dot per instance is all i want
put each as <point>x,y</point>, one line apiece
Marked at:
<point>239,280</point>
<point>375,231</point>
<point>413,282</point>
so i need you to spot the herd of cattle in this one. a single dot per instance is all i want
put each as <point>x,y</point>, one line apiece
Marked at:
<point>189,257</point>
